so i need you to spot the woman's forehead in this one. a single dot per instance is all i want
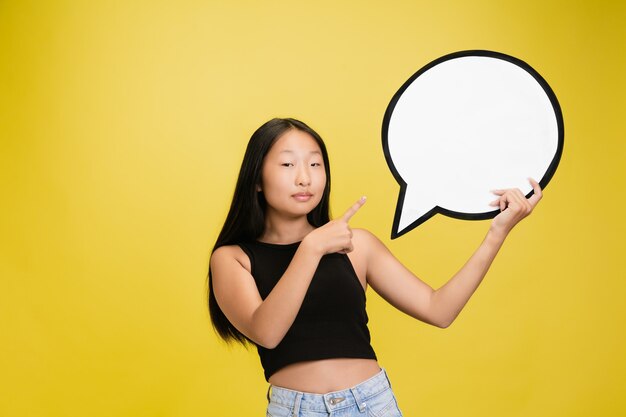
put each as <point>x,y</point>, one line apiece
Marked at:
<point>295,142</point>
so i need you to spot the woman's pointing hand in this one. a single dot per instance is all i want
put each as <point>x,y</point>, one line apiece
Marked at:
<point>336,235</point>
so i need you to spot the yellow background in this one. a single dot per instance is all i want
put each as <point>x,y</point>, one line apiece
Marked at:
<point>122,127</point>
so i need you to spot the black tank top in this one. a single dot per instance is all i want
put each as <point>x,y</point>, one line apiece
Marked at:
<point>332,321</point>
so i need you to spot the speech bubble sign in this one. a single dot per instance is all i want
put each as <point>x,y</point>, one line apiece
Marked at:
<point>467,123</point>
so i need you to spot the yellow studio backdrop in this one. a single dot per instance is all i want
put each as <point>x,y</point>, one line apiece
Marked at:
<point>123,126</point>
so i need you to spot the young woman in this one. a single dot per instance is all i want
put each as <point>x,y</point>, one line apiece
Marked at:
<point>287,278</point>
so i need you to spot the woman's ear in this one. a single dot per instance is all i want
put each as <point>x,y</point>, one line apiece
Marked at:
<point>258,188</point>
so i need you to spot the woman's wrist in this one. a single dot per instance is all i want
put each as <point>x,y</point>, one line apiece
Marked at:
<point>311,247</point>
<point>496,236</point>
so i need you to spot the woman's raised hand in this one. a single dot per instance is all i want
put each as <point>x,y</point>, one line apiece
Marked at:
<point>514,206</point>
<point>336,235</point>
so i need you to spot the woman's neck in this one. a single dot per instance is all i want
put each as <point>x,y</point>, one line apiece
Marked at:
<point>285,230</point>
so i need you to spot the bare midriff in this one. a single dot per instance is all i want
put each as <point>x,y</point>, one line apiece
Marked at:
<point>326,375</point>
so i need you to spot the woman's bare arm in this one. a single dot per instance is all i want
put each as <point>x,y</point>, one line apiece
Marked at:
<point>401,288</point>
<point>448,301</point>
<point>267,321</point>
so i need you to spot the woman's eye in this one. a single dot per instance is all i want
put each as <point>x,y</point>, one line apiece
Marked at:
<point>287,164</point>
<point>316,164</point>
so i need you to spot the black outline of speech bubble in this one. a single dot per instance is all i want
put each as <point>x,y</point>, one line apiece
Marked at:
<point>455,214</point>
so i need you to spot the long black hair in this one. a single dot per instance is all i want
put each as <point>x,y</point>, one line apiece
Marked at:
<point>245,221</point>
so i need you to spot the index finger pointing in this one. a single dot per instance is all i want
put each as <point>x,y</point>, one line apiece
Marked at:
<point>352,210</point>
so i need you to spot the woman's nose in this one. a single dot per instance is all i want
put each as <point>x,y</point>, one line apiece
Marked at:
<point>303,177</point>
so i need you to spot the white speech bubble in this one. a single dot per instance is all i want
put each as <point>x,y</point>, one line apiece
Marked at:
<point>465,124</point>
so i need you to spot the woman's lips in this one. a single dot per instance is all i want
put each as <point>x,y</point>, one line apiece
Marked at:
<point>302,196</point>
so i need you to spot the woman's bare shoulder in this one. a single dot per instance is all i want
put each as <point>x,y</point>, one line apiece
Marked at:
<point>367,242</point>
<point>362,232</point>
<point>228,253</point>
<point>365,236</point>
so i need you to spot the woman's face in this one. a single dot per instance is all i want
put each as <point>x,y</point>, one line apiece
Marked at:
<point>293,175</point>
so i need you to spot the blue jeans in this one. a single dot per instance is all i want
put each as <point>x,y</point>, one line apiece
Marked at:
<point>371,398</point>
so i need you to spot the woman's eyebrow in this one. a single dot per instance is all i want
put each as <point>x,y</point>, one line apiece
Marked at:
<point>290,151</point>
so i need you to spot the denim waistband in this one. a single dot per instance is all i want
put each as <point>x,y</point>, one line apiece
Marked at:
<point>331,401</point>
